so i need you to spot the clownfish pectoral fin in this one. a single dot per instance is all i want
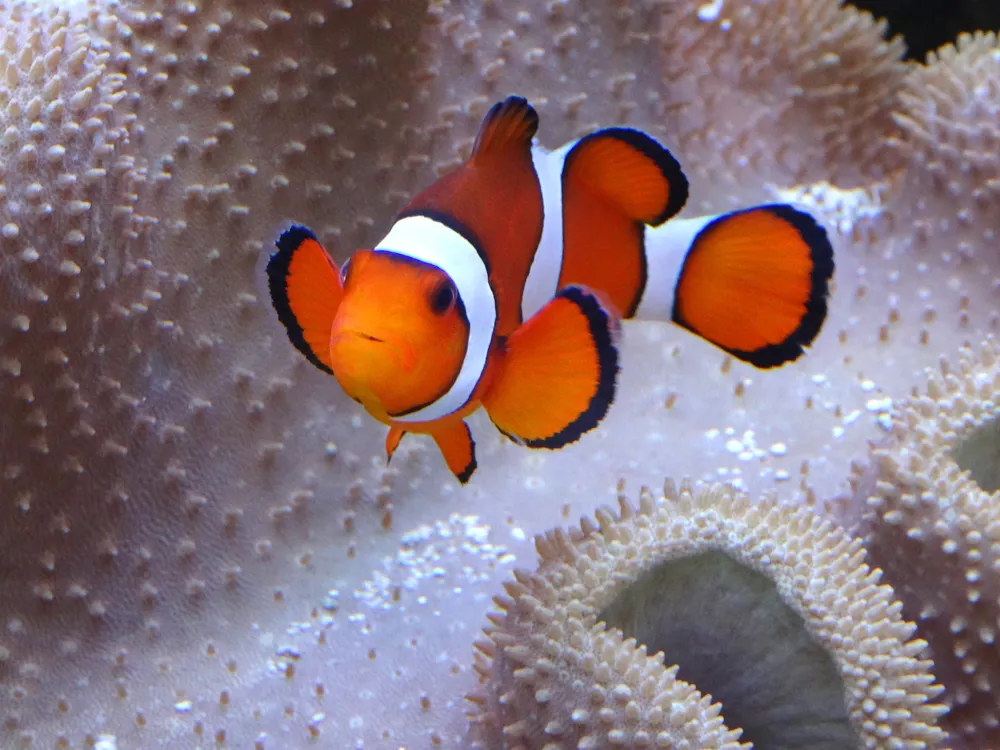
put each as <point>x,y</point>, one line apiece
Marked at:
<point>511,123</point>
<point>631,170</point>
<point>458,448</point>
<point>392,441</point>
<point>755,282</point>
<point>558,374</point>
<point>306,291</point>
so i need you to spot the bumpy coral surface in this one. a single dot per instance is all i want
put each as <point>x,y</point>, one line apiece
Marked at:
<point>200,540</point>
<point>771,609</point>
<point>933,525</point>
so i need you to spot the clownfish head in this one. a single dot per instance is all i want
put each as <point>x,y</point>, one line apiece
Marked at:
<point>400,333</point>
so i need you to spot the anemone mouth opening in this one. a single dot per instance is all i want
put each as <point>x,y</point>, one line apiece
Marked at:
<point>732,635</point>
<point>978,453</point>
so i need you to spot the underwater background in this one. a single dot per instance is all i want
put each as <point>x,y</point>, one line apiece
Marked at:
<point>201,544</point>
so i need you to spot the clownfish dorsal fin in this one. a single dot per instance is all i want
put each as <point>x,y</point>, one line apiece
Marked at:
<point>509,124</point>
<point>755,283</point>
<point>559,370</point>
<point>306,291</point>
<point>631,170</point>
<point>458,448</point>
<point>392,441</point>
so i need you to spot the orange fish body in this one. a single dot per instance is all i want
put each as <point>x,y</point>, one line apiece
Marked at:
<point>502,285</point>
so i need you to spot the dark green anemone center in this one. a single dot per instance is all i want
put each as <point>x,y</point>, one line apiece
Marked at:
<point>733,636</point>
<point>979,454</point>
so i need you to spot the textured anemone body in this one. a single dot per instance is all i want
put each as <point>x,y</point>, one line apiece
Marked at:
<point>150,438</point>
<point>932,524</point>
<point>180,490</point>
<point>737,71</point>
<point>591,649</point>
<point>949,141</point>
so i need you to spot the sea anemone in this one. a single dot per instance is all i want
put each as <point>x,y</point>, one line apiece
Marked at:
<point>770,609</point>
<point>819,72</point>
<point>931,498</point>
<point>161,452</point>
<point>195,518</point>
<point>948,143</point>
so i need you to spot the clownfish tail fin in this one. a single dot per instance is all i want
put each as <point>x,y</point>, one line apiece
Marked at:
<point>559,370</point>
<point>458,448</point>
<point>306,291</point>
<point>755,282</point>
<point>511,123</point>
<point>632,171</point>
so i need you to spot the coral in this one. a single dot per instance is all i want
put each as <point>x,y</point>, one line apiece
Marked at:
<point>769,608</point>
<point>932,519</point>
<point>200,539</point>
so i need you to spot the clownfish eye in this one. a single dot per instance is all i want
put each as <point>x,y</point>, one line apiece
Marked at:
<point>443,297</point>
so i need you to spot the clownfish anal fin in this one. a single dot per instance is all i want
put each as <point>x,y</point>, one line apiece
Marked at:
<point>511,123</point>
<point>305,288</point>
<point>559,371</point>
<point>458,448</point>
<point>392,441</point>
<point>631,170</point>
<point>755,283</point>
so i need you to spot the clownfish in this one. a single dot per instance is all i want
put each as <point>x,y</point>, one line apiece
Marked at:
<point>503,283</point>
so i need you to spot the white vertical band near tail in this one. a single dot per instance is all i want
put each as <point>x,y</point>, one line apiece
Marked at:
<point>430,241</point>
<point>666,248</point>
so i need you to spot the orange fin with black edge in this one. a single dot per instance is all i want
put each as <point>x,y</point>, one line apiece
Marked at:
<point>306,291</point>
<point>631,170</point>
<point>392,441</point>
<point>458,448</point>
<point>559,372</point>
<point>510,123</point>
<point>755,283</point>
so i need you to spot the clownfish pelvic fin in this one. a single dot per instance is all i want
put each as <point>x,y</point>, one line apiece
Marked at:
<point>392,441</point>
<point>306,291</point>
<point>509,124</point>
<point>558,372</point>
<point>455,442</point>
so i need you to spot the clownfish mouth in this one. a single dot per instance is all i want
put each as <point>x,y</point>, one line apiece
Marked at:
<point>347,340</point>
<point>358,334</point>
